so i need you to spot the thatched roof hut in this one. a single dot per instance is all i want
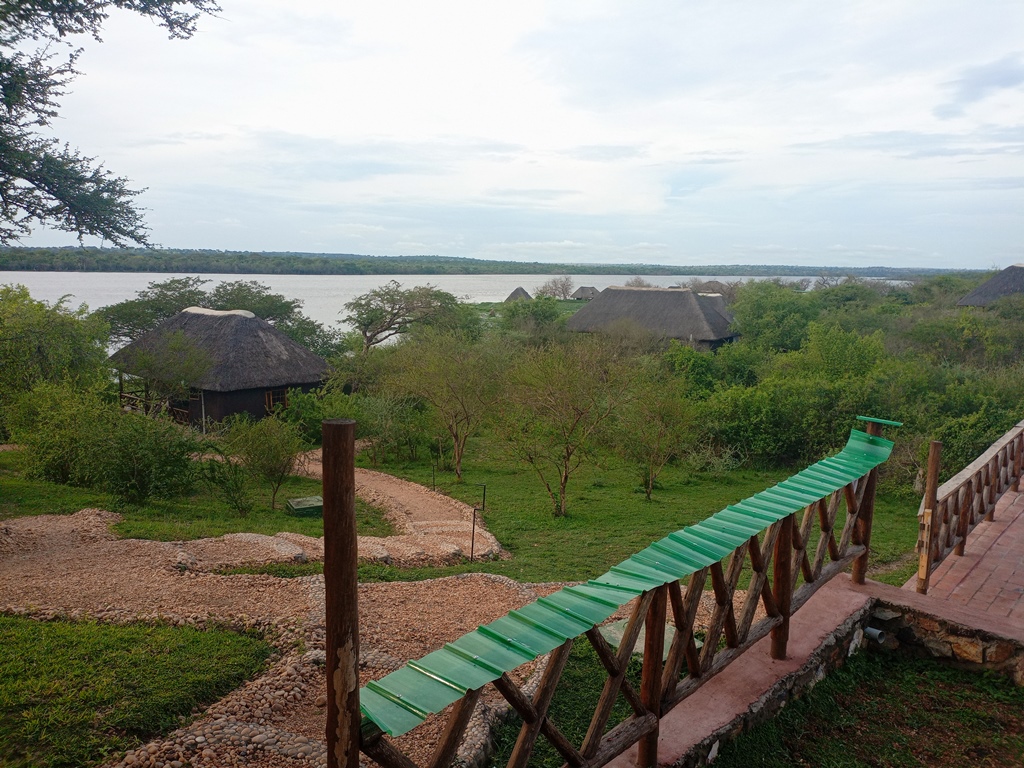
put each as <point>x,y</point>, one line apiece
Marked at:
<point>585,293</point>
<point>673,313</point>
<point>229,361</point>
<point>1005,283</point>
<point>519,294</point>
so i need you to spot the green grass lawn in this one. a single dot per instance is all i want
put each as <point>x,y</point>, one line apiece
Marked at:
<point>74,694</point>
<point>196,516</point>
<point>890,709</point>
<point>609,517</point>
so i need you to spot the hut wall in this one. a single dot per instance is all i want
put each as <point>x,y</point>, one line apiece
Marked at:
<point>220,405</point>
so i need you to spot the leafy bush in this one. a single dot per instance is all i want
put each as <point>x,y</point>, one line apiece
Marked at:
<point>229,480</point>
<point>77,437</point>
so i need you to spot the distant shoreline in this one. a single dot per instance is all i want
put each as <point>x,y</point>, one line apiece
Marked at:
<point>88,259</point>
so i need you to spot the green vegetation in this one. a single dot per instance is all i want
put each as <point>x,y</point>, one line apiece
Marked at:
<point>163,299</point>
<point>571,708</point>
<point>889,709</point>
<point>197,515</point>
<point>74,694</point>
<point>91,259</point>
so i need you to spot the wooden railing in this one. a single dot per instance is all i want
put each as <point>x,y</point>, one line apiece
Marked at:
<point>134,402</point>
<point>783,565</point>
<point>948,513</point>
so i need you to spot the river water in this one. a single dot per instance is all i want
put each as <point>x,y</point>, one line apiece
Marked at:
<point>323,296</point>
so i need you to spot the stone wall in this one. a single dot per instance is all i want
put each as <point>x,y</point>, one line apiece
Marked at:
<point>912,630</point>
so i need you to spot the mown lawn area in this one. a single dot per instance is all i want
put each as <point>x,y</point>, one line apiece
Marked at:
<point>74,694</point>
<point>891,710</point>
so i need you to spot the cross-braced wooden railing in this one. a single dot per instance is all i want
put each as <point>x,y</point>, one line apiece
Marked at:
<point>949,512</point>
<point>782,556</point>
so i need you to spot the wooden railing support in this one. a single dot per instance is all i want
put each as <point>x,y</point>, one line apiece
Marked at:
<point>341,593</point>
<point>650,678</point>
<point>927,522</point>
<point>866,515</point>
<point>782,585</point>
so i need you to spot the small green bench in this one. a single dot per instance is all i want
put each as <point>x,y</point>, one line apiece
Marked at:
<point>311,506</point>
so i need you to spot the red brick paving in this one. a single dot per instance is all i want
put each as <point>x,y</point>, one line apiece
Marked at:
<point>989,578</point>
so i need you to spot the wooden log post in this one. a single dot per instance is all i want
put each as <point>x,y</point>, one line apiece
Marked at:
<point>341,593</point>
<point>866,515</point>
<point>782,584</point>
<point>931,486</point>
<point>650,678</point>
<point>1018,444</point>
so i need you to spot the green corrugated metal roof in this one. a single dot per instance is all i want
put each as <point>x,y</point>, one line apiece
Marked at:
<point>400,701</point>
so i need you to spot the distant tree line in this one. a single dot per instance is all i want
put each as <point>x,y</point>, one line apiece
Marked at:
<point>87,259</point>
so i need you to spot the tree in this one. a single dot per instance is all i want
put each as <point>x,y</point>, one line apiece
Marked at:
<point>653,426</point>
<point>390,310</point>
<point>268,448</point>
<point>560,287</point>
<point>41,342</point>
<point>160,300</point>
<point>558,397</point>
<point>638,282</point>
<point>774,316</point>
<point>457,377</point>
<point>43,181</point>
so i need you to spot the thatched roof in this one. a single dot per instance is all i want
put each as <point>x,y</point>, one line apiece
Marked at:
<point>519,294</point>
<point>242,352</point>
<point>585,293</point>
<point>1007,282</point>
<point>675,313</point>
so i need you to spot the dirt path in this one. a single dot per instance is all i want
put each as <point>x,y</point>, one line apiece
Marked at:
<point>432,528</point>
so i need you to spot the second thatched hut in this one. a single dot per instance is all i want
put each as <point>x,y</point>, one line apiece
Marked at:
<point>671,313</point>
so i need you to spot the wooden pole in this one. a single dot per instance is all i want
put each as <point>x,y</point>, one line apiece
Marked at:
<point>1018,443</point>
<point>341,593</point>
<point>931,486</point>
<point>650,677</point>
<point>782,584</point>
<point>866,516</point>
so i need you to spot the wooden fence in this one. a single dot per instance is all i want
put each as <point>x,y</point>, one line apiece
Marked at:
<point>949,512</point>
<point>783,565</point>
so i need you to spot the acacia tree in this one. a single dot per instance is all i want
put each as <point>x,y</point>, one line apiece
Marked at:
<point>653,426</point>
<point>391,310</point>
<point>268,448</point>
<point>457,376</point>
<point>558,397</point>
<point>560,287</point>
<point>43,181</point>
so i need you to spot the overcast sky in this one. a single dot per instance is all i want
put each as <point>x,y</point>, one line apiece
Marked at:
<point>813,133</point>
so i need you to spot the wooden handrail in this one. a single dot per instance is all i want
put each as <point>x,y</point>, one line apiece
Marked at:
<point>963,501</point>
<point>785,564</point>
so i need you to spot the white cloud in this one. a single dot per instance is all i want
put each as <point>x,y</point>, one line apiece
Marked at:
<point>733,132</point>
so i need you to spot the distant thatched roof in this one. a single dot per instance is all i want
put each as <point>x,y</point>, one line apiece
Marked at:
<point>519,294</point>
<point>244,351</point>
<point>585,293</point>
<point>675,313</point>
<point>713,286</point>
<point>1007,282</point>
